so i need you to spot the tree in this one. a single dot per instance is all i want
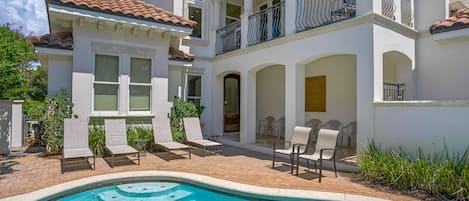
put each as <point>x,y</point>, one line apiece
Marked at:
<point>16,55</point>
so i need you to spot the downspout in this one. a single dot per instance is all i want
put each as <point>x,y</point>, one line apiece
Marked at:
<point>186,71</point>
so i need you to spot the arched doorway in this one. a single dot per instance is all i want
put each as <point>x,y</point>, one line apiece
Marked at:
<point>231,103</point>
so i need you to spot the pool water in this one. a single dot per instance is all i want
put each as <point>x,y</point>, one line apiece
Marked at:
<point>154,191</point>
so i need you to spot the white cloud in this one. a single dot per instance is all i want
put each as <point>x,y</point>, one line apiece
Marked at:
<point>29,14</point>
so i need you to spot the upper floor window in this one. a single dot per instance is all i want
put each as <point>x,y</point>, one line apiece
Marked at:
<point>194,92</point>
<point>140,84</point>
<point>233,13</point>
<point>195,14</point>
<point>106,83</point>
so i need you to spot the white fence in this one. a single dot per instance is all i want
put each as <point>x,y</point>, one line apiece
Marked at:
<point>12,129</point>
<point>425,124</point>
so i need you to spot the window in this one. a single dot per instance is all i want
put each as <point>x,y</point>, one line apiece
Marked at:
<point>233,13</point>
<point>140,84</point>
<point>106,83</point>
<point>195,14</point>
<point>315,94</point>
<point>194,92</point>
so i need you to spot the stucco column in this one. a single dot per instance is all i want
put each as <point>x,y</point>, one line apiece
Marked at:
<point>245,22</point>
<point>124,84</point>
<point>215,24</point>
<point>368,6</point>
<point>365,94</point>
<point>294,98</point>
<point>17,127</point>
<point>248,108</point>
<point>290,17</point>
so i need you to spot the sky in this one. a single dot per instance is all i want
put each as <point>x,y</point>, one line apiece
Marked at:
<point>29,14</point>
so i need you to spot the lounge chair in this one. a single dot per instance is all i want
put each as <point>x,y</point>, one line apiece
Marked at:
<point>299,141</point>
<point>116,139</point>
<point>76,141</point>
<point>163,136</point>
<point>325,150</point>
<point>195,138</point>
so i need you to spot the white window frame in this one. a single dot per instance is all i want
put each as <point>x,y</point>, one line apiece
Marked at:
<point>118,83</point>
<point>201,87</point>
<point>140,84</point>
<point>200,5</point>
<point>226,12</point>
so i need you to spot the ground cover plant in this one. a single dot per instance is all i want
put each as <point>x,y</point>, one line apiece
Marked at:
<point>443,174</point>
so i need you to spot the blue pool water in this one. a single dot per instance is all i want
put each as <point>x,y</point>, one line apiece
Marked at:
<point>154,191</point>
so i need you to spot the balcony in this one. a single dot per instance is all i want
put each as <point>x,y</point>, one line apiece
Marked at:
<point>270,23</point>
<point>399,10</point>
<point>266,25</point>
<point>228,38</point>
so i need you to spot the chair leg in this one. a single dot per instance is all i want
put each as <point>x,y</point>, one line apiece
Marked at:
<point>320,170</point>
<point>190,150</point>
<point>112,160</point>
<point>292,162</point>
<point>138,157</point>
<point>273,160</point>
<point>62,165</point>
<point>335,168</point>
<point>307,163</point>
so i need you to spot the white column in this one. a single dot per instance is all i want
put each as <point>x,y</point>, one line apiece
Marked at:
<point>398,12</point>
<point>368,6</point>
<point>294,98</point>
<point>159,91</point>
<point>215,24</point>
<point>178,8</point>
<point>248,108</point>
<point>290,17</point>
<point>17,127</point>
<point>365,93</point>
<point>245,22</point>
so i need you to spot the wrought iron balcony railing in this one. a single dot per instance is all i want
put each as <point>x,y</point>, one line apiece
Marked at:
<point>267,25</point>
<point>315,13</point>
<point>229,38</point>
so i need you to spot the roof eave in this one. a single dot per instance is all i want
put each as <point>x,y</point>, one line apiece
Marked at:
<point>175,30</point>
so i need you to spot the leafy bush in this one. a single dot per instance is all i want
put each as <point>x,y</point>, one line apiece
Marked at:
<point>180,110</point>
<point>139,132</point>
<point>96,139</point>
<point>57,108</point>
<point>437,174</point>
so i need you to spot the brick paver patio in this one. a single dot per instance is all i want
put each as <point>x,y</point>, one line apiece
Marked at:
<point>31,172</point>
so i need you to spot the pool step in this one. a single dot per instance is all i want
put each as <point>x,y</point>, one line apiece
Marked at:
<point>146,189</point>
<point>116,196</point>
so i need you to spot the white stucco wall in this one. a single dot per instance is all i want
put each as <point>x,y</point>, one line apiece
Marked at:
<point>176,82</point>
<point>270,92</point>
<point>341,90</point>
<point>442,69</point>
<point>422,125</point>
<point>5,127</point>
<point>11,125</point>
<point>88,40</point>
<point>59,74</point>
<point>164,4</point>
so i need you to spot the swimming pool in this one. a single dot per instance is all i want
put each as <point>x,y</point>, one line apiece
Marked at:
<point>157,191</point>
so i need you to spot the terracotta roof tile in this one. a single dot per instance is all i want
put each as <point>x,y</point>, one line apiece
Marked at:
<point>458,20</point>
<point>179,55</point>
<point>64,40</point>
<point>60,40</point>
<point>128,8</point>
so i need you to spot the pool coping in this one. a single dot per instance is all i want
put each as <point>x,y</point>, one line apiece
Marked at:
<point>195,179</point>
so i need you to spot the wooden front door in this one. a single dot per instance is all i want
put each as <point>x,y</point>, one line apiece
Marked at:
<point>231,100</point>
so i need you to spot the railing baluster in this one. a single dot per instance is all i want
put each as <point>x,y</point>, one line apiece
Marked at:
<point>388,8</point>
<point>267,24</point>
<point>316,13</point>
<point>393,92</point>
<point>407,16</point>
<point>229,38</point>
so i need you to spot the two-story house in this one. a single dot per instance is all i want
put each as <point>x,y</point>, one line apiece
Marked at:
<point>394,68</point>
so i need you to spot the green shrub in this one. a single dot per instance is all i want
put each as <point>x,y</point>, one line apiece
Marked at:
<point>439,174</point>
<point>57,108</point>
<point>180,110</point>
<point>96,139</point>
<point>139,132</point>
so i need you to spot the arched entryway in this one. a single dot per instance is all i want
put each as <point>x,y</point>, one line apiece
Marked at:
<point>231,103</point>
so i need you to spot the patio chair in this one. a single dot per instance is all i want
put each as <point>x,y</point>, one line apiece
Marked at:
<point>164,138</point>
<point>331,124</point>
<point>299,139</point>
<point>325,150</point>
<point>195,138</point>
<point>314,125</point>
<point>116,139</point>
<point>278,127</point>
<point>350,133</point>
<point>265,125</point>
<point>75,143</point>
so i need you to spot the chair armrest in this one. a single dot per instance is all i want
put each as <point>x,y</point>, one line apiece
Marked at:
<point>328,149</point>
<point>298,146</point>
<point>286,142</point>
